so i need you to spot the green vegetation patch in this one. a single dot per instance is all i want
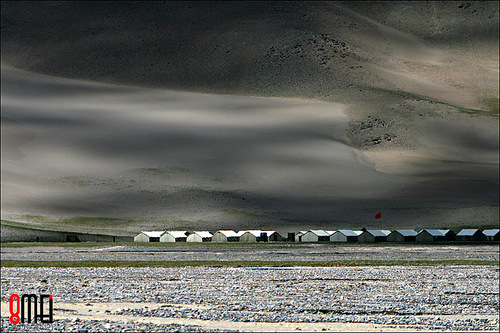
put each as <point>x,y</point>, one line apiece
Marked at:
<point>34,218</point>
<point>492,106</point>
<point>492,103</point>
<point>215,263</point>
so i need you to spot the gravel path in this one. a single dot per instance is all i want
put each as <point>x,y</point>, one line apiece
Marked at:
<point>430,298</point>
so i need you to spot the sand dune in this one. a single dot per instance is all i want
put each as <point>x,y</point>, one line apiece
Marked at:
<point>149,113</point>
<point>265,147</point>
<point>308,49</point>
<point>375,57</point>
<point>180,158</point>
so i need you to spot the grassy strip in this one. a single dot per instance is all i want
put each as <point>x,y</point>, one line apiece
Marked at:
<point>215,263</point>
<point>235,244</point>
<point>67,244</point>
<point>144,244</point>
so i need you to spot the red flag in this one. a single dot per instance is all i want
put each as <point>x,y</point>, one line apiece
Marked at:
<point>378,215</point>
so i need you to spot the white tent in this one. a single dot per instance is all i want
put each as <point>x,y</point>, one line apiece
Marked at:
<point>174,236</point>
<point>149,236</point>
<point>199,237</point>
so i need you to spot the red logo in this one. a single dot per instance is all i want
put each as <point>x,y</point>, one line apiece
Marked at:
<point>28,299</point>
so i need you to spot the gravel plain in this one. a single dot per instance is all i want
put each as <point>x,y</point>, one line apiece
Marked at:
<point>253,252</point>
<point>459,298</point>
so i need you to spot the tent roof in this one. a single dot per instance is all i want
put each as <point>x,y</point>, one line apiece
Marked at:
<point>379,233</point>
<point>435,232</point>
<point>203,234</point>
<point>491,232</point>
<point>320,233</point>
<point>153,233</point>
<point>178,234</point>
<point>230,233</point>
<point>467,232</point>
<point>406,232</point>
<point>350,233</point>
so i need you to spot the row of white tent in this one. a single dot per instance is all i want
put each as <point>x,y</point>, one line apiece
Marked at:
<point>401,235</point>
<point>343,235</point>
<point>220,236</point>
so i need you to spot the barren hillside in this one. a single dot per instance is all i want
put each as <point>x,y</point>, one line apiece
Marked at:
<point>251,114</point>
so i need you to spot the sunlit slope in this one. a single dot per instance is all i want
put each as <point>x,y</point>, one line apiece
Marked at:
<point>443,50</point>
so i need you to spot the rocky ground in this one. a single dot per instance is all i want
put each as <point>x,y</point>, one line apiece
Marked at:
<point>207,298</point>
<point>78,325</point>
